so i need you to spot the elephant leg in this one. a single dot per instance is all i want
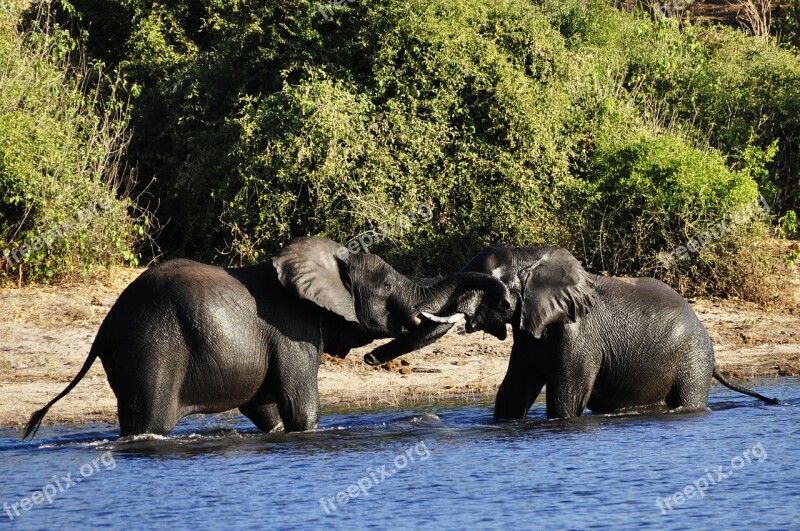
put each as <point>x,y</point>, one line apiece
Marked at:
<point>147,414</point>
<point>265,416</point>
<point>566,400</point>
<point>569,385</point>
<point>687,398</point>
<point>147,399</point>
<point>296,391</point>
<point>522,384</point>
<point>690,392</point>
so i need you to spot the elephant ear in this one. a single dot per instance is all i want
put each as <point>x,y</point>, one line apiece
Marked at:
<point>554,289</point>
<point>315,269</point>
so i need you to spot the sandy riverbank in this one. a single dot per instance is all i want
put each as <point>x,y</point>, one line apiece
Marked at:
<point>45,334</point>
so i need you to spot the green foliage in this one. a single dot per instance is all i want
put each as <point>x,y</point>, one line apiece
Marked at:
<point>741,95</point>
<point>787,224</point>
<point>518,122</point>
<point>656,206</point>
<point>786,24</point>
<point>447,117</point>
<point>652,192</point>
<point>59,162</point>
<point>792,258</point>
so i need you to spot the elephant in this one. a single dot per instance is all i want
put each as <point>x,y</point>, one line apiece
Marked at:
<point>596,342</point>
<point>186,337</point>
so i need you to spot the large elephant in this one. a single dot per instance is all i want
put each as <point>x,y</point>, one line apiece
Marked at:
<point>188,338</point>
<point>599,342</point>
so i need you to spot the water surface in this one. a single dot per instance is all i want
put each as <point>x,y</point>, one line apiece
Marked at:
<point>442,467</point>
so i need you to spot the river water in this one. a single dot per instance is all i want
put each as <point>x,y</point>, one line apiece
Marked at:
<point>433,467</point>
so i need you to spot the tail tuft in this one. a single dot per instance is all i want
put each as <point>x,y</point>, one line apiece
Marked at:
<point>35,422</point>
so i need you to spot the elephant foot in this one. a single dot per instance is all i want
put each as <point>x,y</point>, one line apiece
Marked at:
<point>264,416</point>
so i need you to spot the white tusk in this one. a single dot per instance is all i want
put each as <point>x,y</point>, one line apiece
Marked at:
<point>456,317</point>
<point>416,320</point>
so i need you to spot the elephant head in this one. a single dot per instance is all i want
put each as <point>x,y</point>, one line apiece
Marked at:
<point>547,285</point>
<point>369,294</point>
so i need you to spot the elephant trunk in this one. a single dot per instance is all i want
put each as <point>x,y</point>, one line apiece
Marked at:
<point>434,318</point>
<point>423,335</point>
<point>444,295</point>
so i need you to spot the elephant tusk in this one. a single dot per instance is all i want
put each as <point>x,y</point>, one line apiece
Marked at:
<point>416,320</point>
<point>456,317</point>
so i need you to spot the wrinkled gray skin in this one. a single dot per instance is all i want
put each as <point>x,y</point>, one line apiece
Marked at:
<point>188,338</point>
<point>599,342</point>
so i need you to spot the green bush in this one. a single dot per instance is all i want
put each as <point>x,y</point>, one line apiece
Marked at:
<point>447,117</point>
<point>60,162</point>
<point>515,122</point>
<point>786,24</point>
<point>648,197</point>
<point>715,85</point>
<point>740,94</point>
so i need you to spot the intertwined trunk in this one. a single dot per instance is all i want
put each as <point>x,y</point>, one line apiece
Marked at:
<point>444,295</point>
<point>441,299</point>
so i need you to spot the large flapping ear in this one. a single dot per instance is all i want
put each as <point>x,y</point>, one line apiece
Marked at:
<point>315,269</point>
<point>554,289</point>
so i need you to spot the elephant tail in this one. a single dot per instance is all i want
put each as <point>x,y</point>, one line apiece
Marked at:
<point>721,379</point>
<point>36,418</point>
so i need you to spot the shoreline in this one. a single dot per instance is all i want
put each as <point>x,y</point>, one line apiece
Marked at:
<point>46,332</point>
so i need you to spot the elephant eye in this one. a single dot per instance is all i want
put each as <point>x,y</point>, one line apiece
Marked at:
<point>387,287</point>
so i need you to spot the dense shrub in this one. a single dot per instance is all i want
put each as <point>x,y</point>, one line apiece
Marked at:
<point>786,24</point>
<point>746,96</point>
<point>444,115</point>
<point>516,122</point>
<point>645,192</point>
<point>60,172</point>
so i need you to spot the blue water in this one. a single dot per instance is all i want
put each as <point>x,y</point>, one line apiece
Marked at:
<point>457,470</point>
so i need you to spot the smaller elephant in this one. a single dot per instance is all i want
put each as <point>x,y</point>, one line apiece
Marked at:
<point>188,338</point>
<point>599,342</point>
